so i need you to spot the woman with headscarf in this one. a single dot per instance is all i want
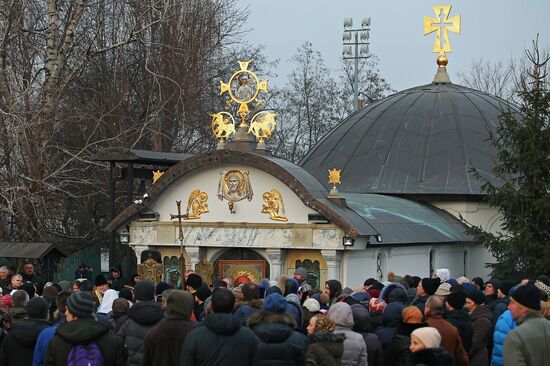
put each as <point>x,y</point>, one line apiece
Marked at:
<point>104,312</point>
<point>325,347</point>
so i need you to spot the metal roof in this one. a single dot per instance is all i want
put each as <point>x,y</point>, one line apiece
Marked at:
<point>402,221</point>
<point>418,141</point>
<point>140,156</point>
<point>27,250</point>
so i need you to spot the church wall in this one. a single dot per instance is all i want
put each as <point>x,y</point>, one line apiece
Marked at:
<point>207,180</point>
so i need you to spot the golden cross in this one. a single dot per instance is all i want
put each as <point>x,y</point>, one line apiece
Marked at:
<point>179,216</point>
<point>442,24</point>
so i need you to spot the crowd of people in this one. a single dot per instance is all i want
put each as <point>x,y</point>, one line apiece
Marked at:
<point>406,320</point>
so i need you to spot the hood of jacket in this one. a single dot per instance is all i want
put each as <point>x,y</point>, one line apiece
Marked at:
<point>18,313</point>
<point>222,323</point>
<point>179,305</point>
<point>480,312</point>
<point>272,332</point>
<point>340,313</point>
<point>81,331</point>
<point>146,313</point>
<point>394,292</point>
<point>361,317</point>
<point>332,342</point>
<point>26,332</point>
<point>391,316</point>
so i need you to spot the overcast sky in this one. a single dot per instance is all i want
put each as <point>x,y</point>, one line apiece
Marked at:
<point>491,29</point>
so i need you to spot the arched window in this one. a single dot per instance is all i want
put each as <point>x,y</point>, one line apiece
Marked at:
<point>432,263</point>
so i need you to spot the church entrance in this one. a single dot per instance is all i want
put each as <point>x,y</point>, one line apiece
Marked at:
<point>240,264</point>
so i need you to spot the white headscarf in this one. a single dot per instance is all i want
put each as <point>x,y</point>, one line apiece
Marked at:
<point>107,303</point>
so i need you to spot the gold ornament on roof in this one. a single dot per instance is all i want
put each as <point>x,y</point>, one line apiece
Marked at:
<point>334,177</point>
<point>442,24</point>
<point>262,125</point>
<point>274,206</point>
<point>156,175</point>
<point>196,205</point>
<point>223,126</point>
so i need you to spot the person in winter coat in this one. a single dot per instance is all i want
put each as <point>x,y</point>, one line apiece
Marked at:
<point>450,339</point>
<point>394,292</point>
<point>529,342</point>
<point>355,349</point>
<point>491,293</point>
<point>459,317</point>
<point>425,288</point>
<point>398,352</point>
<point>163,343</point>
<point>361,316</point>
<point>142,317</point>
<point>19,299</point>
<point>18,346</point>
<point>505,324</point>
<point>503,300</point>
<point>482,320</point>
<point>391,318</point>
<point>251,302</point>
<point>326,347</point>
<point>333,288</point>
<point>220,339</point>
<point>82,330</point>
<point>278,342</point>
<point>376,309</point>
<point>425,348</point>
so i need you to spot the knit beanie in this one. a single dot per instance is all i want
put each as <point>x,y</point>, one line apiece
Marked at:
<point>324,324</point>
<point>194,281</point>
<point>301,271</point>
<point>100,280</point>
<point>81,304</point>
<point>457,300</point>
<point>37,308</point>
<point>203,293</point>
<point>476,296</point>
<point>430,285</point>
<point>444,289</point>
<point>126,293</point>
<point>429,336</point>
<point>312,305</point>
<point>376,304</point>
<point>273,290</point>
<point>527,297</point>
<point>144,291</point>
<point>274,303</point>
<point>505,287</point>
<point>412,315</point>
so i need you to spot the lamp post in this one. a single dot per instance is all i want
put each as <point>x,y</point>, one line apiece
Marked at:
<point>359,39</point>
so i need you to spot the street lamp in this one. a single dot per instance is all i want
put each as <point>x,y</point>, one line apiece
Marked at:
<point>359,39</point>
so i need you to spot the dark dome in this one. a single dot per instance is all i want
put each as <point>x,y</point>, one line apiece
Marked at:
<point>421,140</point>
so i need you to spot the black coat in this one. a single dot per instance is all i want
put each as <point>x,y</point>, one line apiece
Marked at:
<point>392,318</point>
<point>398,353</point>
<point>81,332</point>
<point>461,320</point>
<point>432,357</point>
<point>361,325</point>
<point>219,340</point>
<point>279,344</point>
<point>325,349</point>
<point>18,345</point>
<point>164,342</point>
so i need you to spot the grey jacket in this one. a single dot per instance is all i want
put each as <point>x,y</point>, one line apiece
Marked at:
<point>529,343</point>
<point>355,349</point>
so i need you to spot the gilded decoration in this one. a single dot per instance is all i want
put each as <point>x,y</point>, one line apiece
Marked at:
<point>441,25</point>
<point>150,270</point>
<point>262,125</point>
<point>274,206</point>
<point>156,175</point>
<point>223,126</point>
<point>196,205</point>
<point>205,269</point>
<point>234,185</point>
<point>334,177</point>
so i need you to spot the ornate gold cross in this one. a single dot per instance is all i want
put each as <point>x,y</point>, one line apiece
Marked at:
<point>442,24</point>
<point>179,216</point>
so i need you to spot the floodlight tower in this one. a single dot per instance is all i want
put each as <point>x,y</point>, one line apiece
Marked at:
<point>359,39</point>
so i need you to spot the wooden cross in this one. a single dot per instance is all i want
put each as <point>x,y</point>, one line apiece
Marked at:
<point>179,216</point>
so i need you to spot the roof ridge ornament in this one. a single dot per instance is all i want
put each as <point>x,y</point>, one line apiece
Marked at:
<point>442,24</point>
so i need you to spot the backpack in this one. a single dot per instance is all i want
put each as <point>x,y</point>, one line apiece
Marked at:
<point>85,355</point>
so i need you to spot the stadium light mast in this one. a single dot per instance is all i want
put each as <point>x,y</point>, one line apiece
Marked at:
<point>356,46</point>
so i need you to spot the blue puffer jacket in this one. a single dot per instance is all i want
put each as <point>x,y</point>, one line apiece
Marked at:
<point>504,325</point>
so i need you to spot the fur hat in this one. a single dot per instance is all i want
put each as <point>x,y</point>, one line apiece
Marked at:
<point>301,271</point>
<point>312,305</point>
<point>429,336</point>
<point>203,293</point>
<point>412,315</point>
<point>540,285</point>
<point>194,281</point>
<point>456,300</point>
<point>430,285</point>
<point>274,303</point>
<point>527,297</point>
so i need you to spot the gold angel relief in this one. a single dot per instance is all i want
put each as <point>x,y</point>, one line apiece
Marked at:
<point>274,206</point>
<point>196,205</point>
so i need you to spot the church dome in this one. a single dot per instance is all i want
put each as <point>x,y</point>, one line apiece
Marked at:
<point>422,140</point>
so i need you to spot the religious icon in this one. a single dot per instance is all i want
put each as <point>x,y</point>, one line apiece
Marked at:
<point>274,206</point>
<point>223,126</point>
<point>234,186</point>
<point>262,125</point>
<point>150,270</point>
<point>244,92</point>
<point>196,205</point>
<point>205,269</point>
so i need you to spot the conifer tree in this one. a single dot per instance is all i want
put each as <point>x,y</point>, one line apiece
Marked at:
<point>522,247</point>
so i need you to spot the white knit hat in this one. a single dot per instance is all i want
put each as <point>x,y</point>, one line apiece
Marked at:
<point>312,305</point>
<point>429,336</point>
